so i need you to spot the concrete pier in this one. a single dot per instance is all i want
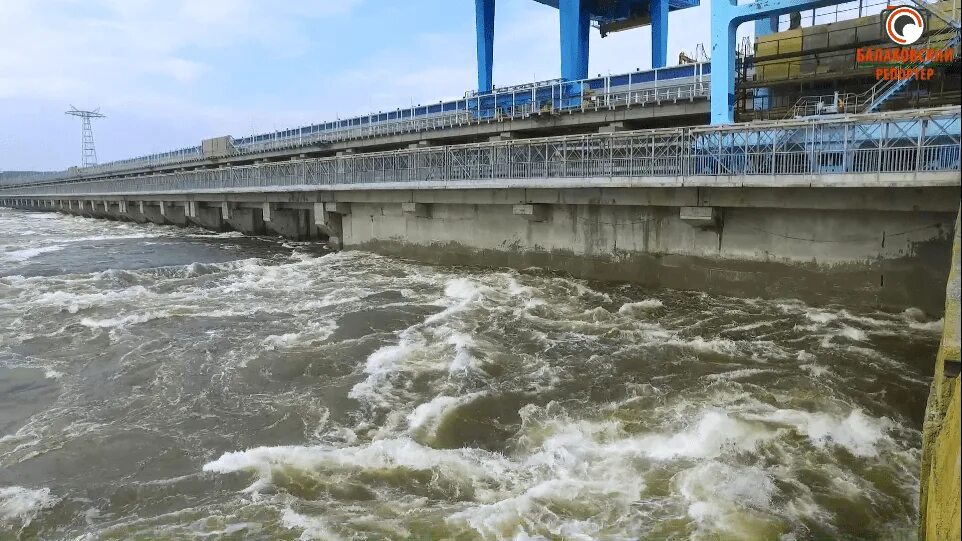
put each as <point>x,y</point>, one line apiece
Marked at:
<point>939,499</point>
<point>880,246</point>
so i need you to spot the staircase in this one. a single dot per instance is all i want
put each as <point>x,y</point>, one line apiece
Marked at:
<point>947,37</point>
<point>874,97</point>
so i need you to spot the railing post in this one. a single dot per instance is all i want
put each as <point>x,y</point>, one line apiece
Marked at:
<point>918,146</point>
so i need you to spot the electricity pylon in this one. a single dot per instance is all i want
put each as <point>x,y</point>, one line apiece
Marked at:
<point>87,138</point>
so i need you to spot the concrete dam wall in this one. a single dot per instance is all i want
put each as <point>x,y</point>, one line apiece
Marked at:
<point>881,246</point>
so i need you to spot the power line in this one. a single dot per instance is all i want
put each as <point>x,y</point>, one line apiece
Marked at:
<point>87,133</point>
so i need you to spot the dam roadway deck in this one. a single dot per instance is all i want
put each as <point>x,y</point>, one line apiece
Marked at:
<point>856,209</point>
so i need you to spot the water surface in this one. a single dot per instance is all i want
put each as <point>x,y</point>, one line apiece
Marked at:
<point>164,383</point>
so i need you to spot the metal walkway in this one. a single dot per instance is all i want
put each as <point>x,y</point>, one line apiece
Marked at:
<point>638,89</point>
<point>900,143</point>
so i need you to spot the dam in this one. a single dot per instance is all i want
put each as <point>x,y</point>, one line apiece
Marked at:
<point>705,300</point>
<point>761,209</point>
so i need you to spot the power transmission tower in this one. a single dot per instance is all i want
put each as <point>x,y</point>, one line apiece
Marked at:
<point>87,141</point>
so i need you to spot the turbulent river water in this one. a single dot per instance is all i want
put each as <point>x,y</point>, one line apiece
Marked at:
<point>166,383</point>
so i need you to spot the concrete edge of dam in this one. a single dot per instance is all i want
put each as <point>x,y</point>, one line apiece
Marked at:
<point>939,498</point>
<point>871,246</point>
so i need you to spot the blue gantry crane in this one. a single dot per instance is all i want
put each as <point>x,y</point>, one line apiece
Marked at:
<point>577,17</point>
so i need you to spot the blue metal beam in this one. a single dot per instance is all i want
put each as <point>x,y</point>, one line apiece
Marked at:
<point>574,39</point>
<point>764,27</point>
<point>659,33</point>
<point>725,18</point>
<point>484,16</point>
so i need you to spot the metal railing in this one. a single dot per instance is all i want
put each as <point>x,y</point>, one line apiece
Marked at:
<point>947,38</point>
<point>627,90</point>
<point>592,102</point>
<point>901,142</point>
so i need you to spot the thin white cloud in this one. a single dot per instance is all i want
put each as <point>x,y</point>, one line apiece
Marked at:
<point>153,66</point>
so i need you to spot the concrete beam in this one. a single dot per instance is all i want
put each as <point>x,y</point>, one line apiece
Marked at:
<point>418,210</point>
<point>337,207</point>
<point>531,213</point>
<point>614,127</point>
<point>701,217</point>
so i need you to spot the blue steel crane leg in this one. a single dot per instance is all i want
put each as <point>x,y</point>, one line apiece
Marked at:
<point>764,27</point>
<point>659,33</point>
<point>484,15</point>
<point>725,18</point>
<point>574,39</point>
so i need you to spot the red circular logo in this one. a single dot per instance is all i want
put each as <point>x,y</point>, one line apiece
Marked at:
<point>904,25</point>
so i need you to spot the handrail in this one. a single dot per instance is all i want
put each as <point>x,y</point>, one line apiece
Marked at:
<point>907,142</point>
<point>870,99</point>
<point>636,95</point>
<point>564,91</point>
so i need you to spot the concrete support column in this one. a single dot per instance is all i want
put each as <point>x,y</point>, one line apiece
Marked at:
<point>417,210</point>
<point>484,27</point>
<point>225,211</point>
<point>249,221</point>
<point>268,212</point>
<point>329,219</point>
<point>574,39</point>
<point>659,33</point>
<point>152,214</point>
<point>292,223</point>
<point>206,217</point>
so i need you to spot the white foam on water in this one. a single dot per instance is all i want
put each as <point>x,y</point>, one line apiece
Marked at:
<point>463,359</point>
<point>312,527</point>
<point>73,302</point>
<point>379,366</point>
<point>386,454</point>
<point>427,416</point>
<point>853,333</point>
<point>281,341</point>
<point>928,326</point>
<point>815,370</point>
<point>519,517</point>
<point>24,254</point>
<point>124,236</point>
<point>640,307</point>
<point>313,332</point>
<point>714,433</point>
<point>737,374</point>
<point>856,432</point>
<point>119,322</point>
<point>820,316</point>
<point>22,505</point>
<point>724,498</point>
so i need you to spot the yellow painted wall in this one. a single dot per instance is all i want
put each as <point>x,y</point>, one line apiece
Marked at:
<point>940,500</point>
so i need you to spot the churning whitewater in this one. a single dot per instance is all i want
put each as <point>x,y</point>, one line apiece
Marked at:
<point>164,383</point>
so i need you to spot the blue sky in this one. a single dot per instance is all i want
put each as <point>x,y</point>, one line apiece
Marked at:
<point>170,72</point>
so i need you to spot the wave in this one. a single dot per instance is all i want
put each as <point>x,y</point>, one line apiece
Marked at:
<point>20,506</point>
